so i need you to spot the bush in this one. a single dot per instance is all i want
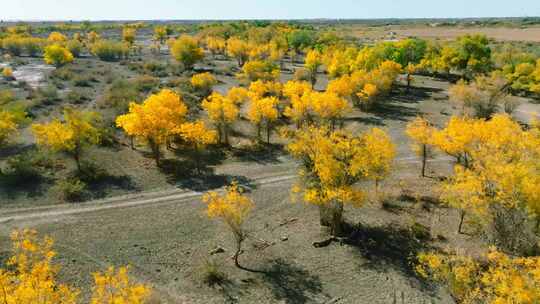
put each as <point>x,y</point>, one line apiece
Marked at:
<point>146,83</point>
<point>211,273</point>
<point>203,83</point>
<point>13,45</point>
<point>47,95</point>
<point>22,169</point>
<point>82,81</point>
<point>57,55</point>
<point>63,73</point>
<point>7,73</point>
<point>75,47</point>
<point>259,70</point>
<point>108,50</point>
<point>69,189</point>
<point>155,68</point>
<point>91,172</point>
<point>186,51</point>
<point>76,97</point>
<point>32,46</point>
<point>118,95</point>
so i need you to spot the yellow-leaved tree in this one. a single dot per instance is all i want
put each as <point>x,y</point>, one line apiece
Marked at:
<point>233,208</point>
<point>312,63</point>
<point>333,163</point>
<point>77,131</point>
<point>238,49</point>
<point>31,277</point>
<point>186,50</point>
<point>155,121</point>
<point>494,178</point>
<point>203,83</point>
<point>223,112</point>
<point>328,107</point>
<point>497,278</point>
<point>299,108</point>
<point>57,55</point>
<point>216,45</point>
<point>197,136</point>
<point>263,113</point>
<point>421,132</point>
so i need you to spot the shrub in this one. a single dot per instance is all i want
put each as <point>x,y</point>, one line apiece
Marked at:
<point>75,47</point>
<point>6,96</point>
<point>7,73</point>
<point>22,169</point>
<point>186,51</point>
<point>118,95</point>
<point>63,73</point>
<point>13,45</point>
<point>76,97</point>
<point>155,68</point>
<point>57,55</point>
<point>259,70</point>
<point>108,50</point>
<point>32,46</point>
<point>212,274</point>
<point>47,95</point>
<point>146,83</point>
<point>91,172</point>
<point>203,83</point>
<point>69,189</point>
<point>82,81</point>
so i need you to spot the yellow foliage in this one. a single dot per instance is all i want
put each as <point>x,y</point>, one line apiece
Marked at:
<point>497,165</point>
<point>259,89</point>
<point>7,73</point>
<point>8,126</point>
<point>259,70</point>
<point>264,109</point>
<point>203,81</point>
<point>128,35</point>
<point>329,107</point>
<point>197,134</point>
<point>77,131</point>
<point>32,277</point>
<point>500,279</point>
<point>57,55</point>
<point>238,49</point>
<point>216,45</point>
<point>57,38</point>
<point>232,208</point>
<point>186,50</point>
<point>156,120</point>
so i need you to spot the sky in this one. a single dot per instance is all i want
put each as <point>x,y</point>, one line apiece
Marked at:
<point>258,9</point>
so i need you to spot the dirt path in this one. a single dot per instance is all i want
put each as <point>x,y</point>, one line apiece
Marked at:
<point>146,198</point>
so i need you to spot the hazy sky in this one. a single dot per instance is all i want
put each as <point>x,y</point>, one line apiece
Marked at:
<point>258,9</point>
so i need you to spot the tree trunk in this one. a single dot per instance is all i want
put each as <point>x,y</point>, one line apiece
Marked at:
<point>461,220</point>
<point>268,133</point>
<point>239,240</point>
<point>337,219</point>
<point>424,159</point>
<point>325,216</point>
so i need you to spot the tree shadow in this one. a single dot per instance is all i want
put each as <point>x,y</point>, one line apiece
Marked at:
<point>100,182</point>
<point>14,185</point>
<point>393,110</point>
<point>260,153</point>
<point>389,245</point>
<point>372,121</point>
<point>185,173</point>
<point>291,284</point>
